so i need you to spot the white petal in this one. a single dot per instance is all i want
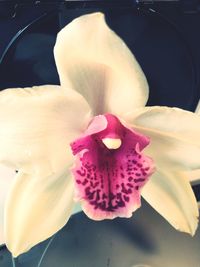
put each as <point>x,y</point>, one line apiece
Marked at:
<point>36,209</point>
<point>174,135</point>
<point>179,123</point>
<point>170,194</point>
<point>165,149</point>
<point>36,126</point>
<point>93,60</point>
<point>6,178</point>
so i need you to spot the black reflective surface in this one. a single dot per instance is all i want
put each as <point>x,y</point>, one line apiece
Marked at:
<point>145,239</point>
<point>28,59</point>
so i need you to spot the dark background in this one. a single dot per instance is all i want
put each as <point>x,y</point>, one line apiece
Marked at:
<point>165,38</point>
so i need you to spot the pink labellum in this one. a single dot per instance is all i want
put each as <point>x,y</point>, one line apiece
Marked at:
<point>108,181</point>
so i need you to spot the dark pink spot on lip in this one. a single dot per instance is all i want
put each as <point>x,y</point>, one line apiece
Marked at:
<point>108,181</point>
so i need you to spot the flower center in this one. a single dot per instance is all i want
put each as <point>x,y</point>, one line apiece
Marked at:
<point>112,143</point>
<point>110,168</point>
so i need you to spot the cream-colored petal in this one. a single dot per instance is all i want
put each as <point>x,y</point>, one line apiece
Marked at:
<point>36,126</point>
<point>170,194</point>
<point>36,209</point>
<point>94,61</point>
<point>6,178</point>
<point>166,149</point>
<point>175,122</point>
<point>174,135</point>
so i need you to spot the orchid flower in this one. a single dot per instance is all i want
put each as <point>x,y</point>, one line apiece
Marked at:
<point>93,140</point>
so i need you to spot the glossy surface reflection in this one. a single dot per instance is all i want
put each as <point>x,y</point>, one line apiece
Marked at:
<point>146,238</point>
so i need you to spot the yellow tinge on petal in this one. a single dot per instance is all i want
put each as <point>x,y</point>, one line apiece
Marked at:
<point>100,66</point>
